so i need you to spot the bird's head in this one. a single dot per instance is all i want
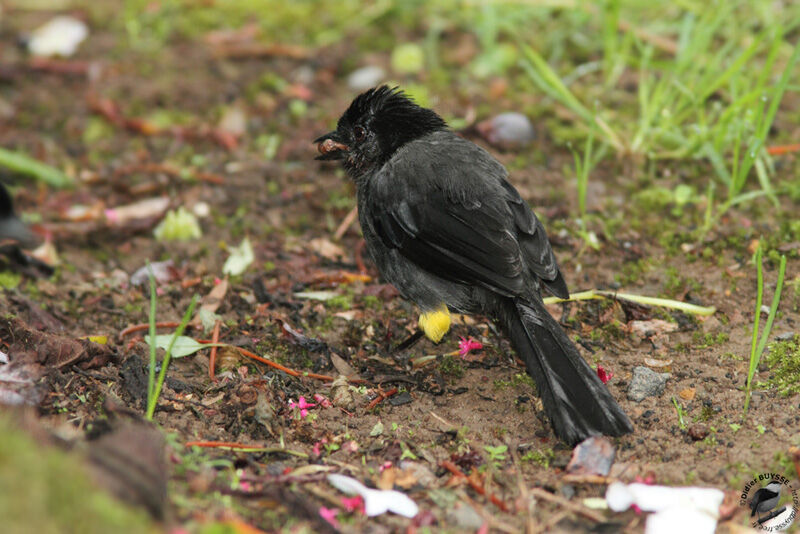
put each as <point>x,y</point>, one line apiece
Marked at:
<point>377,123</point>
<point>10,226</point>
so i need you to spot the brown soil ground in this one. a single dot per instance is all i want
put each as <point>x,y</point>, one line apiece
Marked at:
<point>442,411</point>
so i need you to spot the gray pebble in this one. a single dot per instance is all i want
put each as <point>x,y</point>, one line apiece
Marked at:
<point>465,517</point>
<point>646,383</point>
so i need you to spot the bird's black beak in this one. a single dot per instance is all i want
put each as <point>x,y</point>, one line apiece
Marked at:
<point>330,147</point>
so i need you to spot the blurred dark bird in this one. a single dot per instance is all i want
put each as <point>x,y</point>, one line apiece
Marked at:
<point>444,225</point>
<point>11,228</point>
<point>766,498</point>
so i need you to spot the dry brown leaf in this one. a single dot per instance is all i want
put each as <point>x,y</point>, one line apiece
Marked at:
<point>150,208</point>
<point>326,248</point>
<point>387,478</point>
<point>342,367</point>
<point>652,362</point>
<point>651,328</point>
<point>212,301</point>
<point>687,394</point>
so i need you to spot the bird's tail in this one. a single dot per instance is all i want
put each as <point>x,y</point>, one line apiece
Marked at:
<point>578,404</point>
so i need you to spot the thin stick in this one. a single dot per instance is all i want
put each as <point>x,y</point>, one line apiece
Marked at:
<point>212,358</point>
<point>276,365</point>
<point>585,512</point>
<point>346,223</point>
<point>242,447</point>
<point>779,150</point>
<point>450,466</point>
<point>381,397</point>
<point>145,326</point>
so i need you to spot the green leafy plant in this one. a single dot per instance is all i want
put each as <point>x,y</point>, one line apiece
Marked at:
<point>154,385</point>
<point>583,166</point>
<point>757,344</point>
<point>496,454</point>
<point>680,412</point>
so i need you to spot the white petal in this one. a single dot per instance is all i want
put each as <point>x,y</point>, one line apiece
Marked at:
<point>376,502</point>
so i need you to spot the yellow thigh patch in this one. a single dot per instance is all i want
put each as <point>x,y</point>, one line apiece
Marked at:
<point>435,323</point>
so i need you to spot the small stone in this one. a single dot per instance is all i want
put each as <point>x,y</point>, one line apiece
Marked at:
<point>402,398</point>
<point>646,383</point>
<point>592,456</point>
<point>786,336</point>
<point>365,77</point>
<point>341,396</point>
<point>507,130</point>
<point>465,517</point>
<point>698,431</point>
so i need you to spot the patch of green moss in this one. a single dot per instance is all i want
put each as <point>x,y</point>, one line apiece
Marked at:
<point>451,366</point>
<point>47,490</point>
<point>541,457</point>
<point>372,302</point>
<point>9,280</point>
<point>707,340</point>
<point>342,302</point>
<point>783,360</point>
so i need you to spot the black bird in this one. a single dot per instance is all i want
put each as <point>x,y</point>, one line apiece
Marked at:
<point>10,225</point>
<point>765,499</point>
<point>445,227</point>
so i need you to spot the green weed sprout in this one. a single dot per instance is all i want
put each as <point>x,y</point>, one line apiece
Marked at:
<point>680,412</point>
<point>758,344</point>
<point>154,386</point>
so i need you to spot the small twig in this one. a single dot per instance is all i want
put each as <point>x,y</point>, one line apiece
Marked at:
<point>779,150</point>
<point>588,479</point>
<point>243,447</point>
<point>578,509</point>
<point>450,466</point>
<point>212,358</point>
<point>362,267</point>
<point>288,371</point>
<point>145,326</point>
<point>380,398</point>
<point>346,223</point>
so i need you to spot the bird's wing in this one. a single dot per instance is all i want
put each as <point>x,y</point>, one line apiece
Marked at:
<point>471,228</point>
<point>534,243</point>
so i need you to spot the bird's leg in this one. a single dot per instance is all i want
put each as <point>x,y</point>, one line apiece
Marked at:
<point>435,323</point>
<point>409,342</point>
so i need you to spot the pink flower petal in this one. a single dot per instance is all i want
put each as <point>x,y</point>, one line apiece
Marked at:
<point>329,515</point>
<point>353,504</point>
<point>467,345</point>
<point>603,374</point>
<point>325,403</point>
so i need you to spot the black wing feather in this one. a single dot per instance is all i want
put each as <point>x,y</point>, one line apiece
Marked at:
<point>449,208</point>
<point>453,242</point>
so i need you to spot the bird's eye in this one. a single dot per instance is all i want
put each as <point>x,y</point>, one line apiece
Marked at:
<point>359,133</point>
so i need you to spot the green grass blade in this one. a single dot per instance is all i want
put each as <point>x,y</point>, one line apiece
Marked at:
<point>151,376</point>
<point>24,164</point>
<point>152,402</point>
<point>754,341</point>
<point>773,309</point>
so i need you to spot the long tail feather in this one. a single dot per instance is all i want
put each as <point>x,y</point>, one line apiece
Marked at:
<point>578,404</point>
